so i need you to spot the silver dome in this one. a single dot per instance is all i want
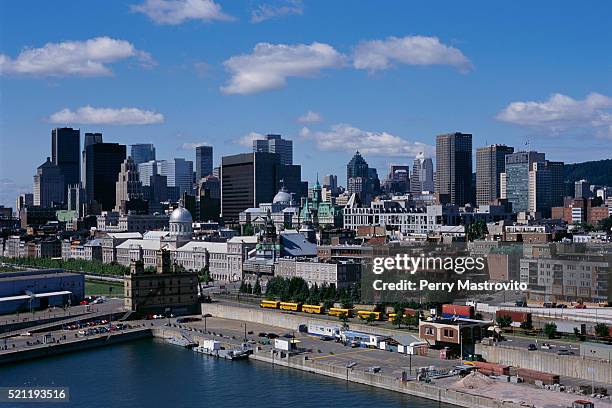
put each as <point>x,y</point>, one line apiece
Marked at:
<point>181,214</point>
<point>282,197</point>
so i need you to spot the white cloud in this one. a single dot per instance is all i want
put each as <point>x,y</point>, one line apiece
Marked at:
<point>269,66</point>
<point>178,11</point>
<point>247,140</point>
<point>265,12</point>
<point>9,190</point>
<point>193,145</point>
<point>310,117</point>
<point>411,50</point>
<point>344,137</point>
<point>83,58</point>
<point>89,115</point>
<point>561,113</point>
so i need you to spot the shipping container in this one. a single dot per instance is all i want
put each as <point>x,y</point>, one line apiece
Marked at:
<point>519,317</point>
<point>492,368</point>
<point>532,376</point>
<point>449,310</point>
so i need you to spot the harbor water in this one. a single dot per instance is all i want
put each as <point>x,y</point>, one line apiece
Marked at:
<point>150,373</point>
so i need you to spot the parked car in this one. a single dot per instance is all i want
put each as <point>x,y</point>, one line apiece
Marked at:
<point>547,346</point>
<point>532,347</point>
<point>564,352</point>
<point>327,338</point>
<point>262,334</point>
<point>272,336</point>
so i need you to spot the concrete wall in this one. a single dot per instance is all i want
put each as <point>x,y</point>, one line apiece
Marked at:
<point>418,389</point>
<point>570,366</point>
<point>286,320</point>
<point>85,343</point>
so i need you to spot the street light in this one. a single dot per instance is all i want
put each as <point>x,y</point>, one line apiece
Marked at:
<point>206,316</point>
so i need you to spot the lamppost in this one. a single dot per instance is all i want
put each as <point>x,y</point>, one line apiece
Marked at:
<point>206,316</point>
<point>245,331</point>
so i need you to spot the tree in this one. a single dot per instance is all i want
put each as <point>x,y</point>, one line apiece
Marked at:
<point>550,329</point>
<point>527,325</point>
<point>249,288</point>
<point>257,288</point>
<point>476,230</point>
<point>204,275</point>
<point>602,330</point>
<point>606,225</point>
<point>504,321</point>
<point>397,319</point>
<point>248,230</point>
<point>242,288</point>
<point>410,320</point>
<point>344,319</point>
<point>370,318</point>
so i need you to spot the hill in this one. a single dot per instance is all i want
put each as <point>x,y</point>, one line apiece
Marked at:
<point>597,172</point>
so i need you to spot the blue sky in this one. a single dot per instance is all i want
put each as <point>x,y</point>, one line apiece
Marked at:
<point>385,78</point>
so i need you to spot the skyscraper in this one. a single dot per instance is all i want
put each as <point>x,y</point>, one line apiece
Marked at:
<point>275,144</point>
<point>204,162</point>
<point>331,181</point>
<point>359,178</point>
<point>24,200</point>
<point>65,154</point>
<point>128,186</point>
<point>490,164</point>
<point>454,168</point>
<point>179,173</point>
<point>518,166</point>
<point>252,178</point>
<point>48,185</point>
<point>582,189</point>
<point>422,174</point>
<point>103,166</point>
<point>146,170</point>
<point>142,152</point>
<point>90,138</point>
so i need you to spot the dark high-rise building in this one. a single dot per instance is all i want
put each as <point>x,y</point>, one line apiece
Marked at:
<point>357,167</point>
<point>142,152</point>
<point>90,138</point>
<point>48,185</point>
<point>252,178</point>
<point>204,162</point>
<point>454,168</point>
<point>490,164</point>
<point>65,154</point>
<point>275,144</point>
<point>398,180</point>
<point>103,165</point>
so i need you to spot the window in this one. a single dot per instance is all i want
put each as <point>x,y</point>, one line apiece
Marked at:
<point>429,331</point>
<point>447,333</point>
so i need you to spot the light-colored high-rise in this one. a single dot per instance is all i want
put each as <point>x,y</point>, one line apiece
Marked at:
<point>128,186</point>
<point>490,164</point>
<point>422,174</point>
<point>48,185</point>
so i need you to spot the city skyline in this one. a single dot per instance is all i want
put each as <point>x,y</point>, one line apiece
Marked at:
<point>317,102</point>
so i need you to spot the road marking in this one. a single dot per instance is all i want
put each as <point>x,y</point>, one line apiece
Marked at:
<point>342,354</point>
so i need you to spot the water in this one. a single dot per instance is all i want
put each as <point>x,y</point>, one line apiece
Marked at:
<point>149,373</point>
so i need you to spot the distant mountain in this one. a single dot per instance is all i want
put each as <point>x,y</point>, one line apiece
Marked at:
<point>596,172</point>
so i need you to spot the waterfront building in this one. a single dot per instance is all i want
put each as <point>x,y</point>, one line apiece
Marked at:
<point>167,290</point>
<point>454,168</point>
<point>49,185</point>
<point>103,162</point>
<point>490,164</point>
<point>49,287</point>
<point>341,274</point>
<point>567,276</point>
<point>204,162</point>
<point>275,144</point>
<point>65,154</point>
<point>142,153</point>
<point>422,175</point>
<point>458,334</point>
<point>110,240</point>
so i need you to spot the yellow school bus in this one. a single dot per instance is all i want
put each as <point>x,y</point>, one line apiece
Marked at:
<point>391,316</point>
<point>364,314</point>
<point>270,304</point>
<point>336,311</point>
<point>315,309</point>
<point>296,307</point>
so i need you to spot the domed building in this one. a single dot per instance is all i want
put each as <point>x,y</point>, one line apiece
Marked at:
<point>282,210</point>
<point>282,197</point>
<point>181,226</point>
